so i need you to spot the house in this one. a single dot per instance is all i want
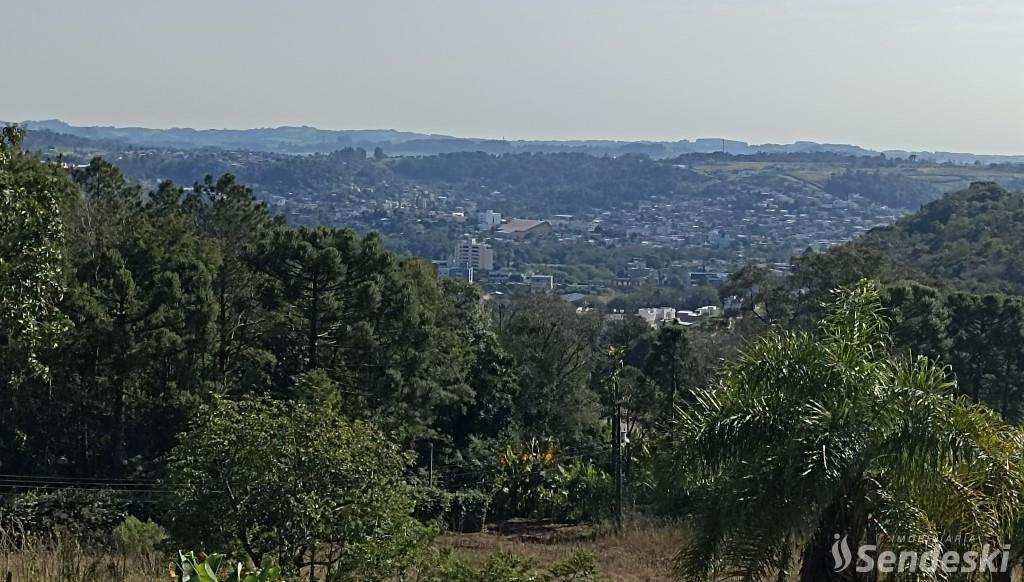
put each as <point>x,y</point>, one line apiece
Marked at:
<point>732,304</point>
<point>657,316</point>
<point>627,282</point>
<point>519,228</point>
<point>636,276</point>
<point>499,277</point>
<point>687,317</point>
<point>616,315</point>
<point>709,311</point>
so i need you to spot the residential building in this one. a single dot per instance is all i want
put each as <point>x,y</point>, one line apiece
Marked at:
<point>476,254</point>
<point>708,278</point>
<point>657,316</point>
<point>488,220</point>
<point>542,282</point>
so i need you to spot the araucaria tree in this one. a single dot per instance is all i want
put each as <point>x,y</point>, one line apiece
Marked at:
<point>805,436</point>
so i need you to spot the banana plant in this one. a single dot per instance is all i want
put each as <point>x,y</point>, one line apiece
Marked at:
<point>207,568</point>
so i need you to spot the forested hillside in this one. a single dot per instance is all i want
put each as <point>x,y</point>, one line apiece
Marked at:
<point>531,183</point>
<point>972,239</point>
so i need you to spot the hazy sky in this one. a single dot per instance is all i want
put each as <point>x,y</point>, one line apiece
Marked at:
<point>921,74</point>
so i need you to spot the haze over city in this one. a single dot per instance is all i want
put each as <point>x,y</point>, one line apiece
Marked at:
<point>936,75</point>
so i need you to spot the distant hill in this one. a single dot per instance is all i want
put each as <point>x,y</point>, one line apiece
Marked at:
<point>973,239</point>
<point>304,140</point>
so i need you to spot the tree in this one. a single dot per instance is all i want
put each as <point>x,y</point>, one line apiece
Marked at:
<point>296,484</point>
<point>33,283</point>
<point>228,214</point>
<point>315,292</point>
<point>986,333</point>
<point>919,319</point>
<point>672,367</point>
<point>805,436</point>
<point>488,407</point>
<point>142,307</point>
<point>31,259</point>
<point>383,328</point>
<point>556,350</point>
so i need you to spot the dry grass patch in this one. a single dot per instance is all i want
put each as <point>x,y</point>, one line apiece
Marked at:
<point>640,553</point>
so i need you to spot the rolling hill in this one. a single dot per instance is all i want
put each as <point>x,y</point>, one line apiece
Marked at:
<point>973,239</point>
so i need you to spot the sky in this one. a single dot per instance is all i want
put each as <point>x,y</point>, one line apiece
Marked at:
<point>885,74</point>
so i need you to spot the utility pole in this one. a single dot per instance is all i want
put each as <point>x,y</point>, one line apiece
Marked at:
<point>430,467</point>
<point>618,459</point>
<point>617,354</point>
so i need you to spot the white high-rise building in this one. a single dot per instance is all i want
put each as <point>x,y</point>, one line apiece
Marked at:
<point>476,254</point>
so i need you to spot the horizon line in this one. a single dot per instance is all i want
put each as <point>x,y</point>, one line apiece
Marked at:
<point>430,134</point>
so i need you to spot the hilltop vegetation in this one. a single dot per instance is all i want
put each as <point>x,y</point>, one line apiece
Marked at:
<point>971,239</point>
<point>306,140</point>
<point>537,183</point>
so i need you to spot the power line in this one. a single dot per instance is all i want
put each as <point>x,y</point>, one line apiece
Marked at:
<point>23,484</point>
<point>77,487</point>
<point>91,479</point>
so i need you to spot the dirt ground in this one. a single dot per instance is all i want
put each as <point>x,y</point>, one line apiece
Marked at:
<point>640,553</point>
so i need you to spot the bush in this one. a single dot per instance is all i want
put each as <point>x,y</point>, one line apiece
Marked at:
<point>533,483</point>
<point>524,482</point>
<point>461,511</point>
<point>84,515</point>
<point>294,483</point>
<point>468,512</point>
<point>135,537</point>
<point>589,491</point>
<point>430,503</point>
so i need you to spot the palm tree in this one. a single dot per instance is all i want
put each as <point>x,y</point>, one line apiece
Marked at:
<point>805,436</point>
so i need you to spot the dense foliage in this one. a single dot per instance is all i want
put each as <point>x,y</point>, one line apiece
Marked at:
<point>31,259</point>
<point>850,440</point>
<point>890,189</point>
<point>971,239</point>
<point>294,484</point>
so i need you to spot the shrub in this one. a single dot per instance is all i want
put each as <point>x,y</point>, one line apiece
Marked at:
<point>294,483</point>
<point>85,515</point>
<point>524,481</point>
<point>468,512</point>
<point>533,482</point>
<point>430,503</point>
<point>588,491</point>
<point>135,537</point>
